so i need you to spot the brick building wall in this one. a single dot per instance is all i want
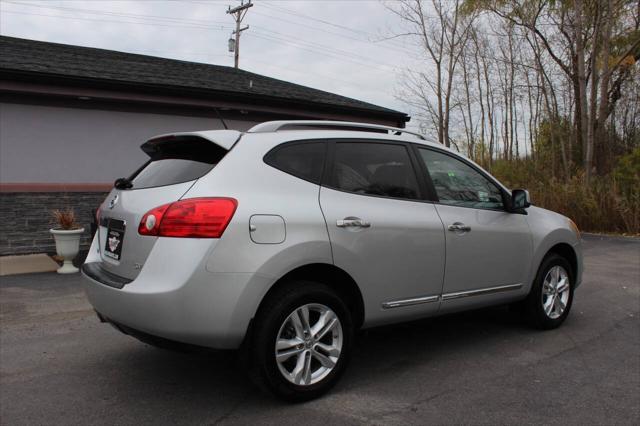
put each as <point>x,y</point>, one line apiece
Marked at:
<point>25,219</point>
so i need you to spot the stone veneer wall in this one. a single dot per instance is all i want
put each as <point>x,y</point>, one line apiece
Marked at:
<point>25,219</point>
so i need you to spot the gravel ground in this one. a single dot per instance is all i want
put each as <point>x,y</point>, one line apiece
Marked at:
<point>59,365</point>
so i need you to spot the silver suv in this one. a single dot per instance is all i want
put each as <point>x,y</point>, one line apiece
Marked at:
<point>286,239</point>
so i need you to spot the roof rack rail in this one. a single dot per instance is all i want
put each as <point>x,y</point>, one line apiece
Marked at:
<point>274,126</point>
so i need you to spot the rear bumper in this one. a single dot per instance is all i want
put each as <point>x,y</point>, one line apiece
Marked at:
<point>95,271</point>
<point>159,342</point>
<point>174,297</point>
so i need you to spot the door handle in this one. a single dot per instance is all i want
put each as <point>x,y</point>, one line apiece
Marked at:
<point>459,227</point>
<point>352,222</point>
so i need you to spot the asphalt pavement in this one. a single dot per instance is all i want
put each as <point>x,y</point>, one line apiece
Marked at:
<point>60,366</point>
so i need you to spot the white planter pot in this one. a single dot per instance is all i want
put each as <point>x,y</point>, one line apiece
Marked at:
<point>67,246</point>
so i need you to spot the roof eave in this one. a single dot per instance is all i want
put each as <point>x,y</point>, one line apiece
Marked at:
<point>41,77</point>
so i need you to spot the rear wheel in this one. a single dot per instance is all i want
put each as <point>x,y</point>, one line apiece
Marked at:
<point>301,341</point>
<point>551,296</point>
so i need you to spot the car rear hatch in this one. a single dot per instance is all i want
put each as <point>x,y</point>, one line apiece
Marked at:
<point>175,163</point>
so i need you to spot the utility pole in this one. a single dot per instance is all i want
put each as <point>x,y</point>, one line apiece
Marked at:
<point>238,14</point>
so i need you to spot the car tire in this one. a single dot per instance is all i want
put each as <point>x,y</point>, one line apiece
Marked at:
<point>551,296</point>
<point>278,322</point>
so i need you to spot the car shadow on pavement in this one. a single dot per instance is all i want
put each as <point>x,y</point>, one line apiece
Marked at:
<point>218,376</point>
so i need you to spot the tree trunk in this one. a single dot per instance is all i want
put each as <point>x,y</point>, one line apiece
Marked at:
<point>480,98</point>
<point>605,78</point>
<point>593,101</point>
<point>470,133</point>
<point>582,118</point>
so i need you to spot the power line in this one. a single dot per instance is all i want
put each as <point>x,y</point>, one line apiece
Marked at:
<point>220,28</point>
<point>324,76</point>
<point>117,14</point>
<point>348,54</point>
<point>311,49</point>
<point>280,37</point>
<point>310,27</point>
<point>370,37</point>
<point>307,72</point>
<point>328,51</point>
<point>302,15</point>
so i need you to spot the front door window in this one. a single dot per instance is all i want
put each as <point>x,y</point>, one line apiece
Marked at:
<point>458,184</point>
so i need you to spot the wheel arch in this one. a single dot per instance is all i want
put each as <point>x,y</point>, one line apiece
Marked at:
<point>334,277</point>
<point>566,251</point>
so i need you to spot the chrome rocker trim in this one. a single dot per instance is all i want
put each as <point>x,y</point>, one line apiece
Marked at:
<point>448,296</point>
<point>480,291</point>
<point>409,302</point>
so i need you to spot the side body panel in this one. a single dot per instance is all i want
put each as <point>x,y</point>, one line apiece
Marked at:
<point>399,257</point>
<point>495,254</point>
<point>547,230</point>
<point>175,297</point>
<point>263,191</point>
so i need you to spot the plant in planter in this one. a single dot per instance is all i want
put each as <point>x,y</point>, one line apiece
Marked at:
<point>67,235</point>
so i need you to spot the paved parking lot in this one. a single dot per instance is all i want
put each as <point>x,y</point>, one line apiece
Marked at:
<point>59,365</point>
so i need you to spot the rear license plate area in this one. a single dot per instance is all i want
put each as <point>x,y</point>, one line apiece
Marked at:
<point>115,238</point>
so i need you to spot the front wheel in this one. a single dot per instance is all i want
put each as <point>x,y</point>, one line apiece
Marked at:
<point>551,296</point>
<point>301,341</point>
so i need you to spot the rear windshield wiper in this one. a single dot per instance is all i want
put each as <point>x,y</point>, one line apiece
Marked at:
<point>123,183</point>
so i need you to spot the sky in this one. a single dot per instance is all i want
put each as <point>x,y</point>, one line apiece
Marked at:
<point>345,47</point>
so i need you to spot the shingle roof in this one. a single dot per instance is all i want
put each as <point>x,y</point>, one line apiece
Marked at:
<point>91,64</point>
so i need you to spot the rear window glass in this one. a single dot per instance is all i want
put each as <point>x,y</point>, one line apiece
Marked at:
<point>175,160</point>
<point>304,160</point>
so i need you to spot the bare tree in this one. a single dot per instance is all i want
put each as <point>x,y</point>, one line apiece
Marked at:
<point>443,35</point>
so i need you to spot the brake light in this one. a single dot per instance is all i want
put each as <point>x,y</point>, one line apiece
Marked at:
<point>190,218</point>
<point>150,223</point>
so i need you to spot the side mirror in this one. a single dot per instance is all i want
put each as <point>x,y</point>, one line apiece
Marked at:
<point>520,199</point>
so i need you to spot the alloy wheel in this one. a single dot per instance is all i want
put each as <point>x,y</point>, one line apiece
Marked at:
<point>308,344</point>
<point>555,292</point>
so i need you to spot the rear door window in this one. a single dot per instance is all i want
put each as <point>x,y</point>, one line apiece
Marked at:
<point>301,159</point>
<point>176,160</point>
<point>373,168</point>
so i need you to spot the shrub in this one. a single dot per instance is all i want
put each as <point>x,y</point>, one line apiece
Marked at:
<point>608,204</point>
<point>65,219</point>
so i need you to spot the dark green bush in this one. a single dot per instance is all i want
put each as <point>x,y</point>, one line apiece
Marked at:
<point>608,204</point>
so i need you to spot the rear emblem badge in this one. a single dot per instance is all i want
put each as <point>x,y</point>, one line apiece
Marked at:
<point>113,243</point>
<point>113,201</point>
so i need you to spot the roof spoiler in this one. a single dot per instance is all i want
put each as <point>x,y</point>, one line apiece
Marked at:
<point>223,138</point>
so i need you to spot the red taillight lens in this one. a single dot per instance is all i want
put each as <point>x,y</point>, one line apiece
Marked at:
<point>191,218</point>
<point>150,223</point>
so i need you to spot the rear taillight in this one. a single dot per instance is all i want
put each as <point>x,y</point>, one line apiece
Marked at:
<point>150,223</point>
<point>191,218</point>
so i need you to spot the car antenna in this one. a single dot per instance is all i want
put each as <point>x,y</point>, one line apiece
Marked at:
<point>221,119</point>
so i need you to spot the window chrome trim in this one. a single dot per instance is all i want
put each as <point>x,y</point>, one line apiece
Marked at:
<point>409,302</point>
<point>480,291</point>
